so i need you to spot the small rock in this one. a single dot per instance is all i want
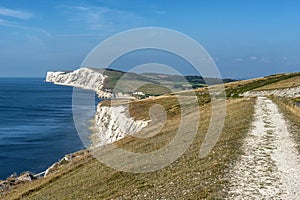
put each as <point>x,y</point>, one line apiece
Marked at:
<point>26,177</point>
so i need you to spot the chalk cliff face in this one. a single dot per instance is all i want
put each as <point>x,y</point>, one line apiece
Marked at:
<point>82,78</point>
<point>112,124</point>
<point>287,92</point>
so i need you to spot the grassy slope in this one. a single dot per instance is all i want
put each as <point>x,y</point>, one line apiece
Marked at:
<point>236,88</point>
<point>151,82</point>
<point>292,82</point>
<point>188,177</point>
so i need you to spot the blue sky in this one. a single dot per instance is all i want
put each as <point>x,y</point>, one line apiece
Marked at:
<point>245,38</point>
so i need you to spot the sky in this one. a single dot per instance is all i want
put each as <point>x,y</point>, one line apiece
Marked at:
<point>245,38</point>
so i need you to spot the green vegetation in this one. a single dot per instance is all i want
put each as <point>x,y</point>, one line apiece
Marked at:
<point>235,90</point>
<point>152,84</point>
<point>286,83</point>
<point>153,90</point>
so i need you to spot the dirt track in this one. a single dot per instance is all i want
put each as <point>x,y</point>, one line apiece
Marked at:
<point>270,166</point>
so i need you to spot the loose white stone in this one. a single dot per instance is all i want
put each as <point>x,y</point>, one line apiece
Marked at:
<point>287,92</point>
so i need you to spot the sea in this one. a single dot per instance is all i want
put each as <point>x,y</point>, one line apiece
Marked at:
<point>36,125</point>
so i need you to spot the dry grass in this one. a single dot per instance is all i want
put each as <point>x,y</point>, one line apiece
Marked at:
<point>26,189</point>
<point>292,82</point>
<point>187,178</point>
<point>235,89</point>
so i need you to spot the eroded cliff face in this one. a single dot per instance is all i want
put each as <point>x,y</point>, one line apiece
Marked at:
<point>287,92</point>
<point>82,78</point>
<point>113,123</point>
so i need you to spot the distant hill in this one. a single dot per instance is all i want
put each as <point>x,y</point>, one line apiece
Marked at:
<point>154,84</point>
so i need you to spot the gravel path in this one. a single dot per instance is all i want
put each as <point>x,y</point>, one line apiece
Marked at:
<point>270,166</point>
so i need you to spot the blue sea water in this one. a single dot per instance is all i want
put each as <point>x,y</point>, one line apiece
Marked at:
<point>36,125</point>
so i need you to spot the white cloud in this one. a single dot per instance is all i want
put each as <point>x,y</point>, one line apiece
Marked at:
<point>79,35</point>
<point>82,8</point>
<point>2,21</point>
<point>101,18</point>
<point>252,58</point>
<point>290,60</point>
<point>238,59</point>
<point>14,23</point>
<point>265,60</point>
<point>23,27</point>
<point>15,13</point>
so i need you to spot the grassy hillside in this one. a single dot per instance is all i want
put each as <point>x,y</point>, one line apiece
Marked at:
<point>287,83</point>
<point>236,88</point>
<point>152,82</point>
<point>188,177</point>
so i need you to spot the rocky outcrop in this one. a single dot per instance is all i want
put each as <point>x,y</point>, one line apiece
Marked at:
<point>69,159</point>
<point>112,123</point>
<point>15,180</point>
<point>287,92</point>
<point>82,78</point>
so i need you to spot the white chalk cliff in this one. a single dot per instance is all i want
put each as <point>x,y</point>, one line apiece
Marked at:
<point>82,78</point>
<point>286,92</point>
<point>111,122</point>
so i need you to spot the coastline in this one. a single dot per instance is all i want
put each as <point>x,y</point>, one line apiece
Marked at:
<point>14,180</point>
<point>37,125</point>
<point>95,141</point>
<point>106,121</point>
<point>94,137</point>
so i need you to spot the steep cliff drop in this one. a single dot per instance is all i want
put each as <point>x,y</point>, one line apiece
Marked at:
<point>111,122</point>
<point>84,78</point>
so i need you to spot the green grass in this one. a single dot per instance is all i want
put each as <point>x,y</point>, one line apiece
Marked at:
<point>152,84</point>
<point>297,99</point>
<point>287,83</point>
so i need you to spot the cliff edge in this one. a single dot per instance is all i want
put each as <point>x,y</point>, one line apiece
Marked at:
<point>111,123</point>
<point>84,78</point>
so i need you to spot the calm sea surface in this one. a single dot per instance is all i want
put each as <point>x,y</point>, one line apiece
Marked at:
<point>36,125</point>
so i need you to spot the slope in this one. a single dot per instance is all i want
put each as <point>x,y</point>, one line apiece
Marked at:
<point>188,177</point>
